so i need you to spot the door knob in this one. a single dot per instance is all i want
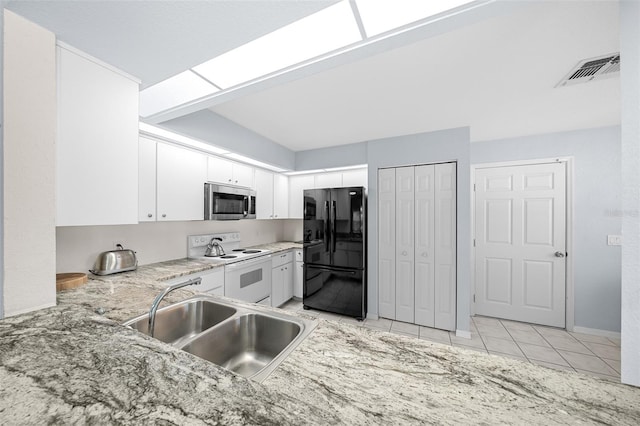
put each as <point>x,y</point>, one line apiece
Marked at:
<point>559,254</point>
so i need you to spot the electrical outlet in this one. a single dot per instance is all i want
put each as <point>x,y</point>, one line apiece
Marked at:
<point>614,240</point>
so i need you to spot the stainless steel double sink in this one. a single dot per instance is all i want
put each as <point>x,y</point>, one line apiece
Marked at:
<point>247,341</point>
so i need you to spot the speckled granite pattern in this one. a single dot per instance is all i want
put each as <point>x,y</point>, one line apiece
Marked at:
<point>68,365</point>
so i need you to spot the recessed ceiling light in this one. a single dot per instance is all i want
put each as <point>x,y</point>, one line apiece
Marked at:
<point>175,91</point>
<point>379,16</point>
<point>330,29</point>
<point>179,139</point>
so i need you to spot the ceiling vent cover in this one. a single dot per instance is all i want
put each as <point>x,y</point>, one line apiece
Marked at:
<point>593,69</point>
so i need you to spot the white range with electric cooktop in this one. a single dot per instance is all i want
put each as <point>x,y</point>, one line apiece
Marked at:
<point>247,272</point>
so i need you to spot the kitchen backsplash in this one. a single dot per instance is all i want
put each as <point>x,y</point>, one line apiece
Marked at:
<point>78,246</point>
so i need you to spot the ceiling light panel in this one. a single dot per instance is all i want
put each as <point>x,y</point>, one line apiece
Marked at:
<point>307,38</point>
<point>175,91</point>
<point>379,16</point>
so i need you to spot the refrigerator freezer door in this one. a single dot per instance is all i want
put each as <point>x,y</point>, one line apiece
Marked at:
<point>333,290</point>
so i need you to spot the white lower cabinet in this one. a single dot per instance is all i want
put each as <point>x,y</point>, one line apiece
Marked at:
<point>212,281</point>
<point>281,278</point>
<point>417,244</point>
<point>298,274</point>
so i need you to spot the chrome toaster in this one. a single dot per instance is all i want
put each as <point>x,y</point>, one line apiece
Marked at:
<point>114,261</point>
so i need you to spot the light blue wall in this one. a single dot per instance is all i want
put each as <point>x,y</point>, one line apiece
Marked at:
<point>337,156</point>
<point>424,148</point>
<point>211,127</point>
<point>597,211</point>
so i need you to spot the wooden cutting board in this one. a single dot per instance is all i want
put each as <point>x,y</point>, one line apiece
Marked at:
<point>70,280</point>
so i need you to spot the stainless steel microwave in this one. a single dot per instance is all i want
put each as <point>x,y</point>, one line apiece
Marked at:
<point>227,202</point>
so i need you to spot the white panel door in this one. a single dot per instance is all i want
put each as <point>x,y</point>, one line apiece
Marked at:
<point>405,297</point>
<point>520,243</point>
<point>424,245</point>
<point>387,243</point>
<point>445,246</point>
<point>181,175</point>
<point>146,180</point>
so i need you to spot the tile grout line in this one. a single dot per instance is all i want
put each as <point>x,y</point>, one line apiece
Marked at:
<point>514,341</point>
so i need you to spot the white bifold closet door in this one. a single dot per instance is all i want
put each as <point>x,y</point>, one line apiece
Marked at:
<point>417,250</point>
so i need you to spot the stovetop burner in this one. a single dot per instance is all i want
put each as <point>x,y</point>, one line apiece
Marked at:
<point>252,251</point>
<point>238,249</point>
<point>228,256</point>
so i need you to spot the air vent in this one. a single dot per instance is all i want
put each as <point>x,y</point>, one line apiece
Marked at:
<point>592,69</point>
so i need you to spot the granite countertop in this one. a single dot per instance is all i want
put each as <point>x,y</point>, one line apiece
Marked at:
<point>69,365</point>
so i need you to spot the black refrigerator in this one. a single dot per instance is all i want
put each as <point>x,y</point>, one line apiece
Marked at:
<point>335,251</point>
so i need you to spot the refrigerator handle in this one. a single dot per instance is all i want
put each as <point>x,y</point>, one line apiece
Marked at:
<point>333,226</point>
<point>327,227</point>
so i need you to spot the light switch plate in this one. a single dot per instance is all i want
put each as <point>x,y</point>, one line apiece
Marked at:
<point>614,240</point>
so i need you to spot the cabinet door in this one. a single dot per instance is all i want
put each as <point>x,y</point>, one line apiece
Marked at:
<point>405,297</point>
<point>277,286</point>
<point>328,180</point>
<point>357,177</point>
<point>280,196</point>
<point>297,185</point>
<point>445,246</point>
<point>424,245</point>
<point>181,175</point>
<point>288,281</point>
<point>264,194</point>
<point>97,144</point>
<point>242,175</point>
<point>297,279</point>
<point>146,180</point>
<point>387,242</point>
<point>219,170</point>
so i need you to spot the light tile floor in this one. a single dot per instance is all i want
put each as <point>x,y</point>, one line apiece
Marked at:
<point>545,346</point>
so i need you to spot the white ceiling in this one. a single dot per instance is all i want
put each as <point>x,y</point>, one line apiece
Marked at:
<point>496,76</point>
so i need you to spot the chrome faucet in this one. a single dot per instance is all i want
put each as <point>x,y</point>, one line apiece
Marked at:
<point>156,302</point>
<point>219,250</point>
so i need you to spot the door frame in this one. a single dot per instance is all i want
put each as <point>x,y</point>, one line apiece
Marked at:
<point>569,171</point>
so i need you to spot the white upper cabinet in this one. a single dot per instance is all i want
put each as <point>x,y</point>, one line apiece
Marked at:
<point>272,193</point>
<point>280,196</point>
<point>356,177</point>
<point>97,144</point>
<point>181,174</point>
<point>264,194</point>
<point>328,180</point>
<point>146,180</point>
<point>297,185</point>
<point>225,171</point>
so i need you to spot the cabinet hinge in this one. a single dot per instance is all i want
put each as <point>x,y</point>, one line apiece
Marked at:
<point>474,187</point>
<point>474,242</point>
<point>474,298</point>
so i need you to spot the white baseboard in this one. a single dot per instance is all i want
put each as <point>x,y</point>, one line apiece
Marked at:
<point>463,334</point>
<point>596,332</point>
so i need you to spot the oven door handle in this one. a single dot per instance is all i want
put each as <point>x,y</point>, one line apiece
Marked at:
<point>247,263</point>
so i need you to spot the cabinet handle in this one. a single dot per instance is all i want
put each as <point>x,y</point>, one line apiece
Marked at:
<point>276,215</point>
<point>149,215</point>
<point>164,215</point>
